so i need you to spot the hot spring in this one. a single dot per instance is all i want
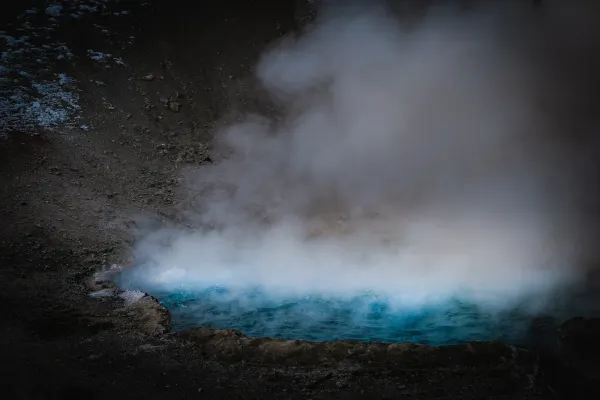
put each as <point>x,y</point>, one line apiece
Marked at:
<point>260,311</point>
<point>362,317</point>
<point>408,181</point>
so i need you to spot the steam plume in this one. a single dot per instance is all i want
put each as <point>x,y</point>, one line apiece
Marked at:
<point>414,161</point>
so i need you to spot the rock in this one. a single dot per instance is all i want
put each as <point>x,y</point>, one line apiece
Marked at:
<point>102,279</point>
<point>132,296</point>
<point>150,316</point>
<point>579,339</point>
<point>54,10</point>
<point>195,154</point>
<point>578,369</point>
<point>163,149</point>
<point>102,293</point>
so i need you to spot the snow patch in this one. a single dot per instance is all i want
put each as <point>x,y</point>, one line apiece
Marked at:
<point>54,105</point>
<point>45,104</point>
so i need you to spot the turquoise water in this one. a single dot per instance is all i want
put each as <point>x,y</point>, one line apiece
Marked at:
<point>365,317</point>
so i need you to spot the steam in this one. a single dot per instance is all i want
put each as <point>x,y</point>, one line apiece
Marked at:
<point>411,161</point>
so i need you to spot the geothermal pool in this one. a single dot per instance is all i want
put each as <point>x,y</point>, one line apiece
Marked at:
<point>364,317</point>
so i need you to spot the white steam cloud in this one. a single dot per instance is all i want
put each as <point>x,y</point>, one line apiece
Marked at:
<point>407,160</point>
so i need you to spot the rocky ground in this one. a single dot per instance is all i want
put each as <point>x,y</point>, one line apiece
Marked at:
<point>104,104</point>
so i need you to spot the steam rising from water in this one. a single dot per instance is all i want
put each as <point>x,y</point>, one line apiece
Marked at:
<point>411,161</point>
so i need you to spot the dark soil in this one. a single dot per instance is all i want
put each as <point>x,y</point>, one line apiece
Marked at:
<point>74,199</point>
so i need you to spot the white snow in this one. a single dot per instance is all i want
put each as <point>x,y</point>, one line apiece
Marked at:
<point>46,104</point>
<point>55,104</point>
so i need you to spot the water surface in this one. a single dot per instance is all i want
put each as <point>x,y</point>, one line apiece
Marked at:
<point>364,317</point>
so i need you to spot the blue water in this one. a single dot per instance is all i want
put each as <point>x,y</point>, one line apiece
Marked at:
<point>365,317</point>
